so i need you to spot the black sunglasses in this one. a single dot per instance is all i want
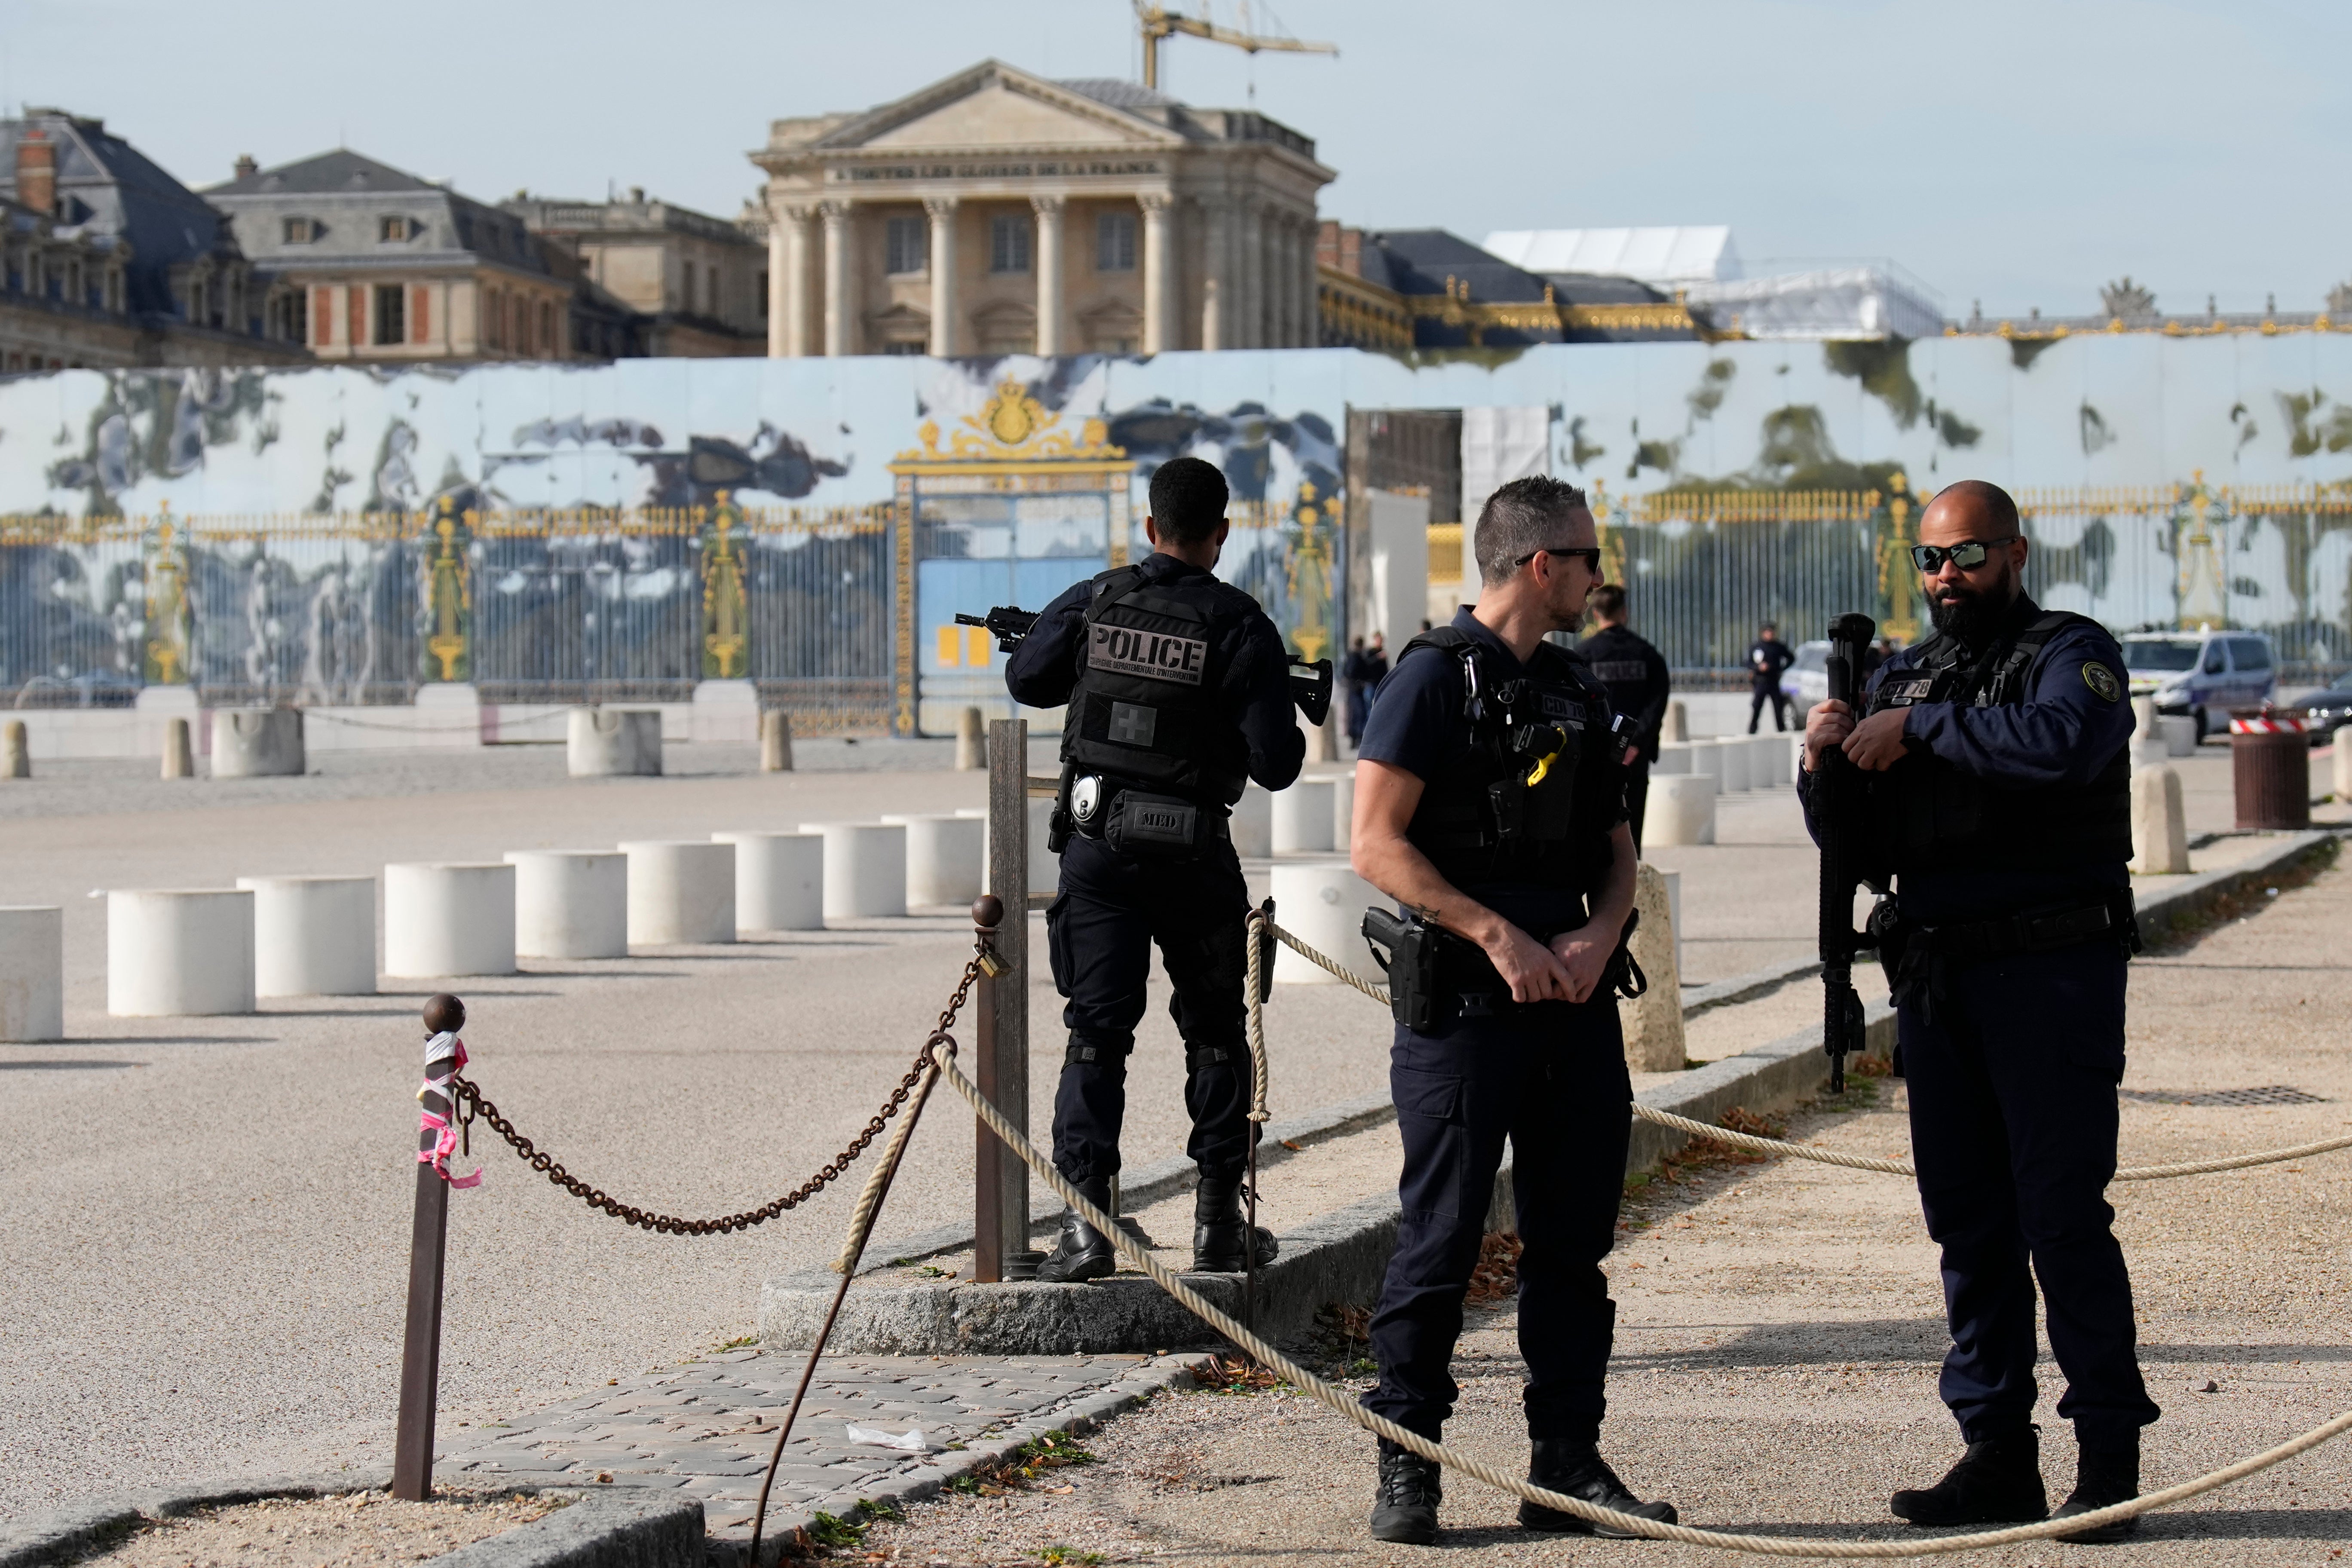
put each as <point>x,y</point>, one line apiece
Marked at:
<point>1968,554</point>
<point>1592,553</point>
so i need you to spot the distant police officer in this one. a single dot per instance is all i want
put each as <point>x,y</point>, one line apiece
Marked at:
<point>2000,799</point>
<point>1767,656</point>
<point>1638,683</point>
<point>1179,694</point>
<point>1489,805</point>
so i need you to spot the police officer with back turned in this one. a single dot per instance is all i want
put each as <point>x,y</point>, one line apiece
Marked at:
<point>1638,682</point>
<point>1999,796</point>
<point>1489,804</point>
<point>1179,694</point>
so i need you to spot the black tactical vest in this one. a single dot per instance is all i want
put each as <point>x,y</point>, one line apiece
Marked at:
<point>1924,808</point>
<point>1533,801</point>
<point>1146,711</point>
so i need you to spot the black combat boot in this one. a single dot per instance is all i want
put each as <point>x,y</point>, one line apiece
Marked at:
<point>1997,1481</point>
<point>1217,1227</point>
<point>2104,1474</point>
<point>1404,1505</point>
<point>1578,1470</point>
<point>1083,1252</point>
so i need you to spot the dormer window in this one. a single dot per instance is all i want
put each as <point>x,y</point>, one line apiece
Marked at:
<point>301,230</point>
<point>395,230</point>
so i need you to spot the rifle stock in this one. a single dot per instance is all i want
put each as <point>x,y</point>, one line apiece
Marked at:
<point>1839,812</point>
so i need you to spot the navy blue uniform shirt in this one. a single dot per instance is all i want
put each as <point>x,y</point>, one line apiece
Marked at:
<point>1637,679</point>
<point>1043,670</point>
<point>2064,732</point>
<point>1416,725</point>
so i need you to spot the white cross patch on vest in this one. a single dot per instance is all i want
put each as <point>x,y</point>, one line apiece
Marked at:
<point>1154,656</point>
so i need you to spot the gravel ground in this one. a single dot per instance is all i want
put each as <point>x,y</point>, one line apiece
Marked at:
<point>1781,1325</point>
<point>362,1528</point>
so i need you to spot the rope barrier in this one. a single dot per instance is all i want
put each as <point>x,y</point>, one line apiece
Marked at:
<point>1781,1145</point>
<point>1338,1401</point>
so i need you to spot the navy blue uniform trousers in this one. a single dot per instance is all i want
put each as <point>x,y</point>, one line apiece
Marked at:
<point>1553,1081</point>
<point>1099,932</point>
<point>2013,1119</point>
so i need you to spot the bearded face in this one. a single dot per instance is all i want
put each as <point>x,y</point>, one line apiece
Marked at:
<point>1970,606</point>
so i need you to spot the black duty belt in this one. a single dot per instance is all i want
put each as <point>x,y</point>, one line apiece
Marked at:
<point>2041,932</point>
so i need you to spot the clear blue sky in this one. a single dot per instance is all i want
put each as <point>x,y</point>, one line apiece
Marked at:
<point>2021,153</point>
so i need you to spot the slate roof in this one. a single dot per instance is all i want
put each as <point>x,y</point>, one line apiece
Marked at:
<point>108,187</point>
<point>1118,94</point>
<point>1419,260</point>
<point>340,173</point>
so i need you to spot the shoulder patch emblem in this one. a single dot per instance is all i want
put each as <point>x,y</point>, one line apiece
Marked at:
<point>2102,681</point>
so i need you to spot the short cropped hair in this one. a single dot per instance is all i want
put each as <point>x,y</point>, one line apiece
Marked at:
<point>1999,507</point>
<point>1188,499</point>
<point>1608,602</point>
<point>1520,518</point>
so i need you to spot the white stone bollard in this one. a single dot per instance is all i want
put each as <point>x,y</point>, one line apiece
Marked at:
<point>865,867</point>
<point>570,903</point>
<point>15,753</point>
<point>1300,818</point>
<point>312,936</point>
<point>1654,1021</point>
<point>971,743</point>
<point>1252,824</point>
<point>680,890</point>
<point>1673,757</point>
<point>1773,760</point>
<point>173,952</point>
<point>607,743</point>
<point>257,742</point>
<point>1681,809</point>
<point>1735,751</point>
<point>945,864</point>
<point>2159,825</point>
<point>2341,749</point>
<point>178,753</point>
<point>449,917</point>
<point>1677,724</point>
<point>1343,812</point>
<point>775,741</point>
<point>2144,717</point>
<point>779,880</point>
<point>1321,902</point>
<point>2180,733</point>
<point>32,973</point>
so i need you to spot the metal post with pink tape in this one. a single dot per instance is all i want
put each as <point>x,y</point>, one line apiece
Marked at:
<point>437,1137</point>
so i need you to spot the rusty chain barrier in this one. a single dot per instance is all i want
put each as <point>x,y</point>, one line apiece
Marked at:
<point>470,1103</point>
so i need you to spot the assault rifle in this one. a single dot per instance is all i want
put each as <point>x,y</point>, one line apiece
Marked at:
<point>1007,625</point>
<point>1839,805</point>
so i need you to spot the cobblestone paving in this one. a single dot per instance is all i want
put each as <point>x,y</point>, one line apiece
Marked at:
<point>708,1426</point>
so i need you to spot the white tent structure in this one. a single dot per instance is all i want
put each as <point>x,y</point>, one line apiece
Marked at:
<point>1665,258</point>
<point>1826,305</point>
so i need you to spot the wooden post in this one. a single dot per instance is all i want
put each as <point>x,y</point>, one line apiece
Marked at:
<point>1002,1068</point>
<point>420,1356</point>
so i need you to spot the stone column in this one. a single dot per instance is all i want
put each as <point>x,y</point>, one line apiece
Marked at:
<point>840,317</point>
<point>942,211</point>
<point>1048,257</point>
<point>1217,318</point>
<point>794,223</point>
<point>779,292</point>
<point>1310,299</point>
<point>1158,274</point>
<point>1285,282</point>
<point>1249,278</point>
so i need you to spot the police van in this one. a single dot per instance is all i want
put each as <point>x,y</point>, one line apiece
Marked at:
<point>2204,673</point>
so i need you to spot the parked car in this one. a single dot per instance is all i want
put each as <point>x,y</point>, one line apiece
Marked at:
<point>2203,673</point>
<point>1807,681</point>
<point>2329,710</point>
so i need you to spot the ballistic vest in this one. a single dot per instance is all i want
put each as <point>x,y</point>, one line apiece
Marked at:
<point>1533,800</point>
<point>1924,807</point>
<point>1146,711</point>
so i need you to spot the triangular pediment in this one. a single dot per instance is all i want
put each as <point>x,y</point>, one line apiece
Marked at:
<point>996,105</point>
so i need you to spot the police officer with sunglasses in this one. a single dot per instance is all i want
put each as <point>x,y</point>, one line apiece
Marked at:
<point>1998,790</point>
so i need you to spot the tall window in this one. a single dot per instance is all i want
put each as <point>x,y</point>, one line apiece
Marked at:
<point>1115,242</point>
<point>547,330</point>
<point>908,245</point>
<point>391,313</point>
<point>298,316</point>
<point>1008,244</point>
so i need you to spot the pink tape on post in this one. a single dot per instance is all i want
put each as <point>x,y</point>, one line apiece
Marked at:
<point>444,1056</point>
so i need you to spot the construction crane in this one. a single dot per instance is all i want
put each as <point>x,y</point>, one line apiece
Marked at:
<point>1159,23</point>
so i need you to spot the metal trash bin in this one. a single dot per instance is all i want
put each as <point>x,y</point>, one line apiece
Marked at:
<point>2270,767</point>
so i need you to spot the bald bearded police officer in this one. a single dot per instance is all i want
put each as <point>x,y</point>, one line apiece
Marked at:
<point>1179,694</point>
<point>1489,804</point>
<point>1999,798</point>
